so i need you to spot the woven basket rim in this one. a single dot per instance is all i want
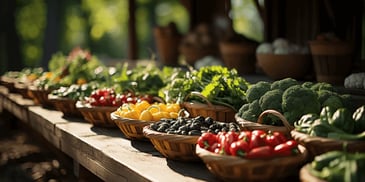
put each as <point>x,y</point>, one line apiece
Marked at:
<point>87,107</point>
<point>7,79</point>
<point>307,138</point>
<point>152,134</point>
<point>202,153</point>
<point>58,98</point>
<point>306,176</point>
<point>117,118</point>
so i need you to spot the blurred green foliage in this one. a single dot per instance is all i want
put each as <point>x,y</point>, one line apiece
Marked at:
<point>30,24</point>
<point>246,19</point>
<point>101,26</point>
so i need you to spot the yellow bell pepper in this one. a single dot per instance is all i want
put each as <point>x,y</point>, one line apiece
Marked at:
<point>146,116</point>
<point>132,114</point>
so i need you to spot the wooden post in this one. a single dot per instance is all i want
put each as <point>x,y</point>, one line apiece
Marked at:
<point>132,34</point>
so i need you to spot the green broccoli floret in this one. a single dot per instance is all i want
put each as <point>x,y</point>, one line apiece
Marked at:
<point>271,100</point>
<point>284,84</point>
<point>307,84</point>
<point>298,101</point>
<point>243,108</point>
<point>249,116</point>
<point>257,90</point>
<point>250,111</point>
<point>323,95</point>
<point>322,86</point>
<point>255,107</point>
<point>334,102</point>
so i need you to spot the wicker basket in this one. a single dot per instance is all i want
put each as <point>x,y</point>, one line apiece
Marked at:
<point>66,106</point>
<point>9,83</point>
<point>332,60</point>
<point>131,128</point>
<point>250,125</point>
<point>320,145</point>
<point>282,66</point>
<point>40,96</point>
<point>306,176</point>
<point>23,90</point>
<point>173,146</point>
<point>97,115</point>
<point>217,112</point>
<point>232,168</point>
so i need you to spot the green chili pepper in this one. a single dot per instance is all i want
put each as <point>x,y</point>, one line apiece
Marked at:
<point>323,160</point>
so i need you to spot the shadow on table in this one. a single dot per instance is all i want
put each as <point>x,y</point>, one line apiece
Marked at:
<point>195,169</point>
<point>145,146</point>
<point>110,131</point>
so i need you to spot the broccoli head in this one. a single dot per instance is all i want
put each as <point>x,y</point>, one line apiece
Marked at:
<point>257,90</point>
<point>298,101</point>
<point>250,111</point>
<point>334,102</point>
<point>271,100</point>
<point>284,84</point>
<point>243,108</point>
<point>322,86</point>
<point>255,107</point>
<point>307,84</point>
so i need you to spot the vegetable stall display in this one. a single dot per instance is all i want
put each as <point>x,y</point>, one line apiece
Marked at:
<point>291,98</point>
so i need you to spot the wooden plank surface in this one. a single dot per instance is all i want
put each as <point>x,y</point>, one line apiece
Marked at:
<point>104,151</point>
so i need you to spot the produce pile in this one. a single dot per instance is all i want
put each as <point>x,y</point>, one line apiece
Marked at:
<point>156,95</point>
<point>291,98</point>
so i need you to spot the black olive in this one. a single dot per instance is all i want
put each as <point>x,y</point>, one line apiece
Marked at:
<point>184,133</point>
<point>194,126</point>
<point>199,119</point>
<point>195,132</point>
<point>161,129</point>
<point>172,132</point>
<point>208,121</point>
<point>184,128</point>
<point>217,130</point>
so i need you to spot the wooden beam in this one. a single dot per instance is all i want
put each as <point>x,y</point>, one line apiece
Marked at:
<point>132,33</point>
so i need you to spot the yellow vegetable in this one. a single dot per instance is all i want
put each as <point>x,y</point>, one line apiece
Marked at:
<point>132,114</point>
<point>143,105</point>
<point>146,116</point>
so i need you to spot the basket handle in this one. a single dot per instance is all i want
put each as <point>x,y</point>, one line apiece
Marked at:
<point>277,114</point>
<point>158,99</point>
<point>198,94</point>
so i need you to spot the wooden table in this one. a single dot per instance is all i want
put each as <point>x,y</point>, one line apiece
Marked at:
<point>102,151</point>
